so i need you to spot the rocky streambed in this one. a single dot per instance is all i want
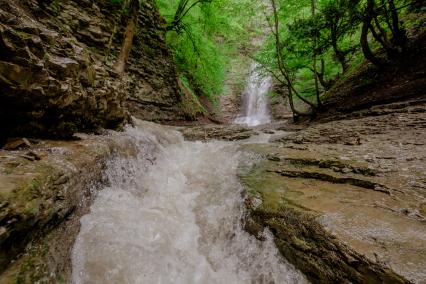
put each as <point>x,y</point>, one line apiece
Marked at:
<point>344,200</point>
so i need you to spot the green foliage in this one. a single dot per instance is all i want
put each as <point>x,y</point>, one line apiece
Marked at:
<point>205,39</point>
<point>327,31</point>
<point>319,40</point>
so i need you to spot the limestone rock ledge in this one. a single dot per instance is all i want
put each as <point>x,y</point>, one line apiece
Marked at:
<point>44,190</point>
<point>217,132</point>
<point>346,200</point>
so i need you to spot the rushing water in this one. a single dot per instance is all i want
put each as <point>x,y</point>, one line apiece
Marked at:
<point>255,103</point>
<point>174,215</point>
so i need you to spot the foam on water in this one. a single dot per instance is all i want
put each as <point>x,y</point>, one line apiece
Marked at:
<point>174,215</point>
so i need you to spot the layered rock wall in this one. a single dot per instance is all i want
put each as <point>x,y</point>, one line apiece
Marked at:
<point>55,68</point>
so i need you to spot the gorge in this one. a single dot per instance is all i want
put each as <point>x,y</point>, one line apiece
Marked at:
<point>213,157</point>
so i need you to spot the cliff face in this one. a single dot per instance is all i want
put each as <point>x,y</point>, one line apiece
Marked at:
<point>154,93</point>
<point>55,68</point>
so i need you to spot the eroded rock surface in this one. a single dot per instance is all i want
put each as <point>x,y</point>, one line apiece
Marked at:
<point>55,68</point>
<point>39,196</point>
<point>346,200</point>
<point>218,132</point>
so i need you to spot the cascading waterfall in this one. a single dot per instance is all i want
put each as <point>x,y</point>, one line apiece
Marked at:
<point>255,103</point>
<point>174,214</point>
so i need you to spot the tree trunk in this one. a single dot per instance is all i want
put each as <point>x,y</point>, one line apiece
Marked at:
<point>368,17</point>
<point>320,75</point>
<point>317,90</point>
<point>291,103</point>
<point>399,36</point>
<point>382,31</point>
<point>281,66</point>
<point>339,54</point>
<point>120,63</point>
<point>366,48</point>
<point>296,113</point>
<point>381,37</point>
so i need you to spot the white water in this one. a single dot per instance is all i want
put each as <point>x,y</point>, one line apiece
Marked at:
<point>255,105</point>
<point>174,215</point>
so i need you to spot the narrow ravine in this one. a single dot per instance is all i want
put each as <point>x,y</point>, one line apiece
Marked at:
<point>174,215</point>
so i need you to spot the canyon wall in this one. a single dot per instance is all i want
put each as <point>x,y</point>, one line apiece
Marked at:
<point>56,75</point>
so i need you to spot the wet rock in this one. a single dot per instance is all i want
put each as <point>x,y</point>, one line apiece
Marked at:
<point>252,202</point>
<point>41,203</point>
<point>13,144</point>
<point>342,213</point>
<point>63,66</point>
<point>274,158</point>
<point>32,156</point>
<point>219,132</point>
<point>346,170</point>
<point>55,73</point>
<point>39,75</point>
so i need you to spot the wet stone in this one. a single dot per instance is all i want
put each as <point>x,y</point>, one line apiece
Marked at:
<point>17,143</point>
<point>343,211</point>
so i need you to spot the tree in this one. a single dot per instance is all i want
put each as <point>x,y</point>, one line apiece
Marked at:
<point>314,58</point>
<point>283,69</point>
<point>311,43</point>
<point>378,18</point>
<point>132,20</point>
<point>339,21</point>
<point>326,84</point>
<point>183,8</point>
<point>204,36</point>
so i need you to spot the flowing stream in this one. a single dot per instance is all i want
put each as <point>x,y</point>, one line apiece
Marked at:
<point>174,214</point>
<point>255,103</point>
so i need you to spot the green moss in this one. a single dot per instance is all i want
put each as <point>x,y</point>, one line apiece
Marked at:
<point>300,244</point>
<point>60,278</point>
<point>191,106</point>
<point>7,171</point>
<point>35,186</point>
<point>33,269</point>
<point>32,208</point>
<point>23,35</point>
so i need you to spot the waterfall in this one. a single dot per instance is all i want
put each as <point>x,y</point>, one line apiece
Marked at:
<point>174,214</point>
<point>255,103</point>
